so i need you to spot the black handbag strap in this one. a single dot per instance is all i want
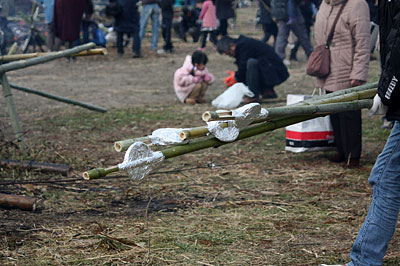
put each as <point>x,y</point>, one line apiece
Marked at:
<point>330,36</point>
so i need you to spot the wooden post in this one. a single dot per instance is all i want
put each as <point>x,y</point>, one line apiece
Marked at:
<point>12,111</point>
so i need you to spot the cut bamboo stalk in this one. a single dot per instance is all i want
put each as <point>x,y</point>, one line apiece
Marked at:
<point>43,59</point>
<point>19,202</point>
<point>16,57</point>
<point>59,98</point>
<point>216,116</point>
<point>43,167</point>
<point>123,145</point>
<point>194,132</point>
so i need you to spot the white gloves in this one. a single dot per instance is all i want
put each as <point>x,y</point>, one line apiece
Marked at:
<point>378,108</point>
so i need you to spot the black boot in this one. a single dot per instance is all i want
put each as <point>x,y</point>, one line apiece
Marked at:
<point>293,55</point>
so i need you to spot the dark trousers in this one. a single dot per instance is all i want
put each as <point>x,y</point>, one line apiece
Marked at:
<point>166,25</point>
<point>270,29</point>
<point>223,27</point>
<point>213,37</point>
<point>254,78</point>
<point>347,131</point>
<point>135,43</point>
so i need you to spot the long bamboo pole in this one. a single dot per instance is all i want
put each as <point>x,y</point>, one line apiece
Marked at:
<point>284,111</point>
<point>12,111</point>
<point>318,98</point>
<point>43,59</point>
<point>200,144</point>
<point>59,98</point>
<point>16,57</point>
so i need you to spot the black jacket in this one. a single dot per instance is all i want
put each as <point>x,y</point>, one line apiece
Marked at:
<point>279,9</point>
<point>128,21</point>
<point>389,82</point>
<point>273,71</point>
<point>224,9</point>
<point>167,8</point>
<point>265,13</point>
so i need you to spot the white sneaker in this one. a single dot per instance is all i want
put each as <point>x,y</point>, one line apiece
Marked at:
<point>160,51</point>
<point>286,62</point>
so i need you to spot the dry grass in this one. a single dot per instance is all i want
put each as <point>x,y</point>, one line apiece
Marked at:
<point>249,203</point>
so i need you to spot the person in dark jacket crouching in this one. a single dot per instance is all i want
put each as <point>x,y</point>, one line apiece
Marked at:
<point>259,67</point>
<point>379,226</point>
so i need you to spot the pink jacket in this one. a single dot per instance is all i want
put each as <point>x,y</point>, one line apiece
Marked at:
<point>183,79</point>
<point>209,15</point>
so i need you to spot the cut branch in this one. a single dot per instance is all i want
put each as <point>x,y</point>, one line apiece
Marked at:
<point>19,202</point>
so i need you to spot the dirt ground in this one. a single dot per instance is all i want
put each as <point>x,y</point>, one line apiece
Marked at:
<point>249,203</point>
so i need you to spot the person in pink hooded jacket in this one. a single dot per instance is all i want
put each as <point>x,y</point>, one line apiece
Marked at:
<point>192,79</point>
<point>209,25</point>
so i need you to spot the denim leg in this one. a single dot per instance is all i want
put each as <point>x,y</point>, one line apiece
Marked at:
<point>380,223</point>
<point>155,25</point>
<point>253,78</point>
<point>300,30</point>
<point>144,17</point>
<point>282,38</point>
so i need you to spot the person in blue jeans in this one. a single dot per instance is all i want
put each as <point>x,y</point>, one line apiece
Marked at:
<point>153,10</point>
<point>379,226</point>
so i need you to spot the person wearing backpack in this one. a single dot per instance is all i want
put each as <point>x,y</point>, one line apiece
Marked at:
<point>127,22</point>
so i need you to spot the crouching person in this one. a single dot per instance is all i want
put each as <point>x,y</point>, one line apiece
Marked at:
<point>259,67</point>
<point>192,79</point>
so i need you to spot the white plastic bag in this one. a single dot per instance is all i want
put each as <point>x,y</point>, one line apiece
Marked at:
<point>232,97</point>
<point>311,135</point>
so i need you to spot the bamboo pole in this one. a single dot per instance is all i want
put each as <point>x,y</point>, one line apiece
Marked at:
<point>43,59</point>
<point>317,98</point>
<point>16,57</point>
<point>43,167</point>
<point>12,111</point>
<point>59,98</point>
<point>284,111</point>
<point>200,144</point>
<point>19,202</point>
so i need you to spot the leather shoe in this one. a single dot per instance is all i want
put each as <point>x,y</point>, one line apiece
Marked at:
<point>269,94</point>
<point>337,158</point>
<point>247,100</point>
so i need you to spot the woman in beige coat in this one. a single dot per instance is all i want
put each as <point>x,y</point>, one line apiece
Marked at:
<point>349,67</point>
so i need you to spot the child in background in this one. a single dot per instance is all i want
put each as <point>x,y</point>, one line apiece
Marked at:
<point>192,79</point>
<point>209,26</point>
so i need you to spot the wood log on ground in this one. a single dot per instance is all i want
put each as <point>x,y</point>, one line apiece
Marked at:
<point>18,202</point>
<point>43,167</point>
